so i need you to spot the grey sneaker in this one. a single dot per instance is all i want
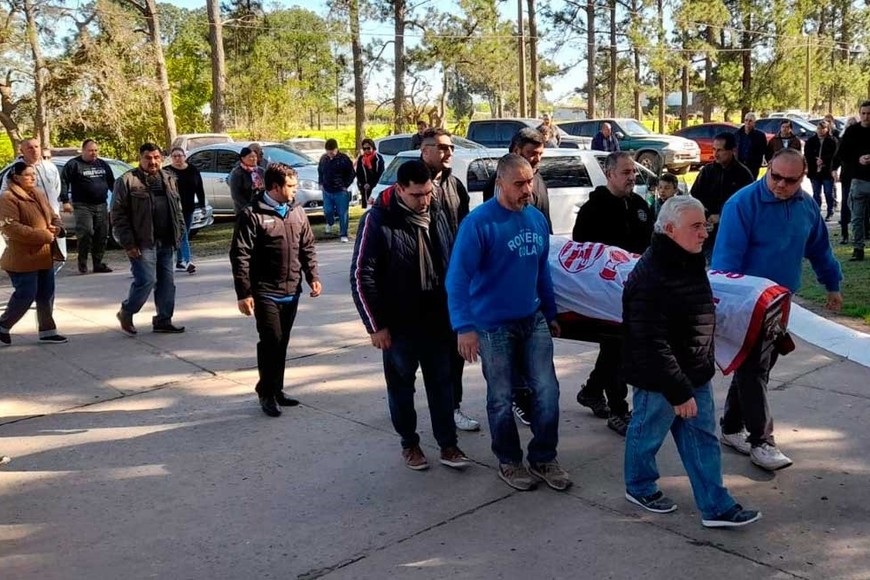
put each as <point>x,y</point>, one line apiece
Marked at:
<point>619,423</point>
<point>769,457</point>
<point>737,441</point>
<point>657,503</point>
<point>517,476</point>
<point>4,459</point>
<point>552,474</point>
<point>733,518</point>
<point>464,422</point>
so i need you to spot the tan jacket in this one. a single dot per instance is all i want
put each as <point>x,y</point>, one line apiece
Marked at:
<point>24,221</point>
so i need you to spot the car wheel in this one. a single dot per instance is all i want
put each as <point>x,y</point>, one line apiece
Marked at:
<point>651,161</point>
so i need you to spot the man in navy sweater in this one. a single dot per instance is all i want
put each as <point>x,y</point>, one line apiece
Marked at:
<point>503,308</point>
<point>767,229</point>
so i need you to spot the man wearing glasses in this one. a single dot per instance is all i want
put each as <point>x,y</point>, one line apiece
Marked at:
<point>766,230</point>
<point>397,279</point>
<point>437,154</point>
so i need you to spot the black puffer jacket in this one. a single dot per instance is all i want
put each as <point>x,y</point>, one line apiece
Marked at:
<point>270,254</point>
<point>385,270</point>
<point>615,221</point>
<point>668,318</point>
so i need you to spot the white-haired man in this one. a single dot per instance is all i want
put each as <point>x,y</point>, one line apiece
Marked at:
<point>669,317</point>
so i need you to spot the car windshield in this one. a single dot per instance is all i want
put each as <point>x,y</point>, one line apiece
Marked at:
<point>464,143</point>
<point>286,155</point>
<point>632,127</point>
<point>119,168</point>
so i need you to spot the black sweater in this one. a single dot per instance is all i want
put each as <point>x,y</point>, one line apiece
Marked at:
<point>854,144</point>
<point>86,182</point>
<point>616,221</point>
<point>668,318</point>
<point>715,184</point>
<point>190,187</point>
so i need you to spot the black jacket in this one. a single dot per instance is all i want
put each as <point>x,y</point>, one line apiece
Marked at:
<point>269,254</point>
<point>715,184</point>
<point>335,174</point>
<point>854,144</point>
<point>751,148</point>
<point>371,176</point>
<point>385,271</point>
<point>242,187</point>
<point>452,198</point>
<point>190,187</point>
<point>133,210</point>
<point>668,319</point>
<point>624,222</point>
<point>540,196</point>
<point>827,151</point>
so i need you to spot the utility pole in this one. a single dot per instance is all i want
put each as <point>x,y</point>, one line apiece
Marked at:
<point>807,77</point>
<point>521,41</point>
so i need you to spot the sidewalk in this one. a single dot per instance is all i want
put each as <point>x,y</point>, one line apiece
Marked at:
<point>149,457</point>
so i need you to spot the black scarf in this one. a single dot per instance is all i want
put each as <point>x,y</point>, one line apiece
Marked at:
<point>420,221</point>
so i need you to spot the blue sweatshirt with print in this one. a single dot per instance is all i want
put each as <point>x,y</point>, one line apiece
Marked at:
<point>498,268</point>
<point>760,235</point>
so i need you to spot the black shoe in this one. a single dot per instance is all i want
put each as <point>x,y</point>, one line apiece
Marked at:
<point>269,407</point>
<point>83,268</point>
<point>285,401</point>
<point>619,423</point>
<point>167,328</point>
<point>126,321</point>
<point>844,242</point>
<point>521,415</point>
<point>597,404</point>
<point>733,518</point>
<point>857,255</point>
<point>101,269</point>
<point>5,338</point>
<point>54,339</point>
<point>191,269</point>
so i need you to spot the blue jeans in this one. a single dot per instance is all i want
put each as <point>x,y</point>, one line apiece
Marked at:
<point>828,185</point>
<point>153,270</point>
<point>30,287</point>
<point>697,444</point>
<point>431,352</point>
<point>337,202</point>
<point>522,347</point>
<point>184,250</point>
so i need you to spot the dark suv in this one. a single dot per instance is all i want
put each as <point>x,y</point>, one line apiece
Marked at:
<point>497,133</point>
<point>652,150</point>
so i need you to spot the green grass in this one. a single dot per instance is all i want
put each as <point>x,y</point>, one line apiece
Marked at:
<point>215,239</point>
<point>855,285</point>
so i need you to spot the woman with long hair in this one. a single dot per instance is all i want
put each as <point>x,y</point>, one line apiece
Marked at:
<point>369,168</point>
<point>31,229</point>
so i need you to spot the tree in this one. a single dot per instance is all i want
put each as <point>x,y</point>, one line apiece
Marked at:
<point>39,74</point>
<point>533,58</point>
<point>218,66</point>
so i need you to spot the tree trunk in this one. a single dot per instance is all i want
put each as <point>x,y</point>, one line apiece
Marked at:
<point>358,93</point>
<point>684,98</point>
<point>7,112</point>
<point>218,66</point>
<point>635,16</point>
<point>662,95</point>
<point>590,59</point>
<point>39,74</point>
<point>533,59</point>
<point>613,79</point>
<point>710,35</point>
<point>746,45</point>
<point>399,72</point>
<point>521,57</point>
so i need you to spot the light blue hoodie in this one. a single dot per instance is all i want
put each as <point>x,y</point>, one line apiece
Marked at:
<point>760,235</point>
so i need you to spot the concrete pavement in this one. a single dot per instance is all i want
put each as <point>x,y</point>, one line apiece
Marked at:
<point>148,457</point>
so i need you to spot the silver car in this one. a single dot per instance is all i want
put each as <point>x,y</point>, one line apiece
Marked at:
<point>216,161</point>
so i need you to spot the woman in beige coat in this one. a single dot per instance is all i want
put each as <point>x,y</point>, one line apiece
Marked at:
<point>30,227</point>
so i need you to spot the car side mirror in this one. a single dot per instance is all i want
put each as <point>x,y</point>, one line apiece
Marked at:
<point>620,135</point>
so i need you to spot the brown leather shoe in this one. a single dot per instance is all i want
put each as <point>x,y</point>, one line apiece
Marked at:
<point>415,459</point>
<point>454,457</point>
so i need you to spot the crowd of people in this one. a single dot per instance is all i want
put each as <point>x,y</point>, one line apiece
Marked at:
<point>438,286</point>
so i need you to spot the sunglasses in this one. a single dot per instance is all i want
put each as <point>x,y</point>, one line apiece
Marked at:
<point>776,178</point>
<point>429,193</point>
<point>443,147</point>
<point>367,148</point>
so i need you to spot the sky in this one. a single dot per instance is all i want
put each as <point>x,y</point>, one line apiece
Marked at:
<point>381,83</point>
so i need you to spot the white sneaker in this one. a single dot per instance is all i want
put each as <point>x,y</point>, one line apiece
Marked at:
<point>344,239</point>
<point>464,422</point>
<point>737,441</point>
<point>328,229</point>
<point>769,457</point>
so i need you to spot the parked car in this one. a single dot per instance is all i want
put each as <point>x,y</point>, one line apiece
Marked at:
<point>839,123</point>
<point>389,146</point>
<point>216,161</point>
<point>201,218</point>
<point>311,147</point>
<point>703,135</point>
<point>801,127</point>
<point>499,132</point>
<point>652,150</point>
<point>791,114</point>
<point>570,176</point>
<point>191,141</point>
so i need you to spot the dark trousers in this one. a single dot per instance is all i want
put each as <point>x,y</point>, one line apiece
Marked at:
<point>274,322</point>
<point>432,354</point>
<point>30,287</point>
<point>457,366</point>
<point>845,209</point>
<point>746,404</point>
<point>607,377</point>
<point>92,227</point>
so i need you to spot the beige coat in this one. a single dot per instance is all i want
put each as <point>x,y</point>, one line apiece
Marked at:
<point>24,221</point>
